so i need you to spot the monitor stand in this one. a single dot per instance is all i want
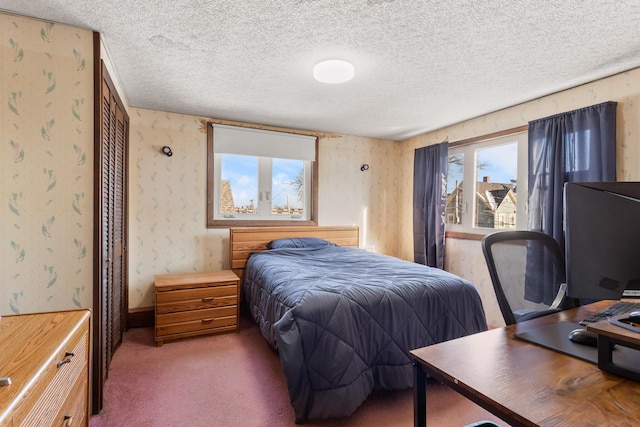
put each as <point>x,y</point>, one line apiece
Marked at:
<point>616,336</point>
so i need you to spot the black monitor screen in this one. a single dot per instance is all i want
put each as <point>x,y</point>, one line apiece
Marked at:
<point>602,239</point>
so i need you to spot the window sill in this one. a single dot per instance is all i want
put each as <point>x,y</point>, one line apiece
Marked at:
<point>463,236</point>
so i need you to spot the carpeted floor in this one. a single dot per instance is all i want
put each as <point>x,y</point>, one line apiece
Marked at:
<point>236,380</point>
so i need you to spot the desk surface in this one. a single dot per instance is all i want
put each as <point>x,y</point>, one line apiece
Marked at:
<point>525,384</point>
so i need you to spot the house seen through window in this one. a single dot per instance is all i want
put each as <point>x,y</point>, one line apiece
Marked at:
<point>259,177</point>
<point>256,186</point>
<point>482,185</point>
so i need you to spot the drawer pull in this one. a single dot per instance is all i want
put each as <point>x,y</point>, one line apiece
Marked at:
<point>67,358</point>
<point>68,420</point>
<point>207,299</point>
<point>207,320</point>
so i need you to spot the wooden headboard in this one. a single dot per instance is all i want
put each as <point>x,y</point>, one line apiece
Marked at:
<point>244,240</point>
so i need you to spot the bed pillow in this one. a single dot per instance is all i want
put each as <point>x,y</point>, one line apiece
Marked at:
<point>298,242</point>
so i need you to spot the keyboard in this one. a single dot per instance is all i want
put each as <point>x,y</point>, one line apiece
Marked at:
<point>616,308</point>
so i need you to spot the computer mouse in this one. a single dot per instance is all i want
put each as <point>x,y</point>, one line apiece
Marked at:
<point>635,315</point>
<point>584,337</point>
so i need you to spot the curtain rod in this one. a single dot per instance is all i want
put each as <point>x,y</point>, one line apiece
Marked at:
<point>505,132</point>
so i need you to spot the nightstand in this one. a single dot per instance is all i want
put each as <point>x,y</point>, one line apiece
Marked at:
<point>192,304</point>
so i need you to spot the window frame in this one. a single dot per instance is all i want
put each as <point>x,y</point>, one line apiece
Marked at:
<point>468,148</point>
<point>212,222</point>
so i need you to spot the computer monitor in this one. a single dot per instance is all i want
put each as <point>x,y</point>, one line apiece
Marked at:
<point>602,239</point>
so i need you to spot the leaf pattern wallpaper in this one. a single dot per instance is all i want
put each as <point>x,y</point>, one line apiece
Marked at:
<point>464,257</point>
<point>167,199</point>
<point>46,186</point>
<point>46,152</point>
<point>167,202</point>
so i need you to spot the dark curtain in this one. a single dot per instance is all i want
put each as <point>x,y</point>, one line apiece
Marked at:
<point>577,146</point>
<point>429,196</point>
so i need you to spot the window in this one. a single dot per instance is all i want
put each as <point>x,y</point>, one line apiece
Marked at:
<point>483,180</point>
<point>260,178</point>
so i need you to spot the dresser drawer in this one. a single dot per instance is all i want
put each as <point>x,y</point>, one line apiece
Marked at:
<point>74,412</point>
<point>60,374</point>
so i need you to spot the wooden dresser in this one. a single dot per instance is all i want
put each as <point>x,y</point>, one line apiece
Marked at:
<point>193,304</point>
<point>46,358</point>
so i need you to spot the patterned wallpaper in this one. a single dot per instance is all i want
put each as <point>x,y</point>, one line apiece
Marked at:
<point>369,199</point>
<point>46,149</point>
<point>167,200</point>
<point>46,166</point>
<point>464,257</point>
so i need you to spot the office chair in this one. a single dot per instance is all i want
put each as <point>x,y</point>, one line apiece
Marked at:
<point>527,270</point>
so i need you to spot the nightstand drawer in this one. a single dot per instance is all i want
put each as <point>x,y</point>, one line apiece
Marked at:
<point>197,293</point>
<point>196,304</point>
<point>199,325</point>
<point>196,315</point>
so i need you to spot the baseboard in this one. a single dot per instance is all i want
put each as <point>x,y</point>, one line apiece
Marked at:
<point>141,317</point>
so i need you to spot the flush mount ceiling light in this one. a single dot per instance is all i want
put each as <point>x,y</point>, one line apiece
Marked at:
<point>333,71</point>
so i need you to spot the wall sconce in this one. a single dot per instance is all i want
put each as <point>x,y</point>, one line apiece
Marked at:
<point>167,150</point>
<point>364,167</point>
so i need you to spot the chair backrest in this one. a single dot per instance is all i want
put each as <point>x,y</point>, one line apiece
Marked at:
<point>526,269</point>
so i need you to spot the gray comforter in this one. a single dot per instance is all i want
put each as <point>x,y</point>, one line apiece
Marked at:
<point>343,320</point>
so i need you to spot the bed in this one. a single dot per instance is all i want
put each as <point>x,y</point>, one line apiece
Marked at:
<point>344,319</point>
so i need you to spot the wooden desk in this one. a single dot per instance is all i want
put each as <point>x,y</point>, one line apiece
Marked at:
<point>525,384</point>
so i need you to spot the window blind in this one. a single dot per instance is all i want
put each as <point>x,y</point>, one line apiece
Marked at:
<point>263,143</point>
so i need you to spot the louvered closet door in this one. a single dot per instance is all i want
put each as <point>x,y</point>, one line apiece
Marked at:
<point>110,306</point>
<point>118,288</point>
<point>108,196</point>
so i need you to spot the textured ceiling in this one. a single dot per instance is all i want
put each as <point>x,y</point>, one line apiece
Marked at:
<point>420,65</point>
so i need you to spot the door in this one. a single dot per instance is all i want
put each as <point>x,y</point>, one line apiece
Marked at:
<point>110,251</point>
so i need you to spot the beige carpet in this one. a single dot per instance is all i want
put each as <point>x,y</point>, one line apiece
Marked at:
<point>236,380</point>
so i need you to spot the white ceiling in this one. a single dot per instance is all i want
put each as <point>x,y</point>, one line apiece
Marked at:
<point>420,65</point>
